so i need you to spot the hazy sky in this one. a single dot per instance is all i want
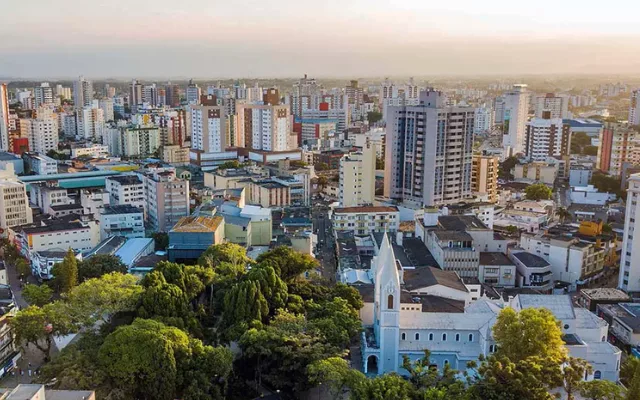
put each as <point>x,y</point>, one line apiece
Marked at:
<point>347,38</point>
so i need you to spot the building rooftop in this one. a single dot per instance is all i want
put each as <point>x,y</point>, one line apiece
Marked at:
<point>437,304</point>
<point>430,276</point>
<point>197,224</point>
<point>236,220</point>
<point>51,226</point>
<point>494,258</point>
<point>559,305</point>
<point>460,222</point>
<point>413,252</point>
<point>5,156</point>
<point>132,248</point>
<point>460,236</point>
<point>121,209</point>
<point>65,207</point>
<point>126,179</point>
<point>368,209</point>
<point>107,246</point>
<point>531,260</point>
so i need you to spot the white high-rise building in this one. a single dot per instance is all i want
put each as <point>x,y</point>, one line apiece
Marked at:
<point>43,95</point>
<point>547,138</point>
<point>264,127</point>
<point>106,105</point>
<point>551,106</point>
<point>135,96</point>
<point>14,203</point>
<point>429,151</point>
<point>483,120</point>
<point>629,276</point>
<point>82,93</point>
<point>634,108</point>
<point>42,131</point>
<point>516,112</point>
<point>90,123</point>
<point>358,177</point>
<point>150,94</point>
<point>4,117</point>
<point>193,93</point>
<point>65,92</point>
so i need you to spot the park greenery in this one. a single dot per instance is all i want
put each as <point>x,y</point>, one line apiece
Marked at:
<point>538,191</point>
<point>169,335</point>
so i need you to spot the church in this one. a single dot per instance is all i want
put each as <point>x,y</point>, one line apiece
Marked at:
<point>399,320</point>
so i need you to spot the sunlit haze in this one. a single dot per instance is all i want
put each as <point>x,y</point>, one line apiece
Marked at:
<point>277,38</point>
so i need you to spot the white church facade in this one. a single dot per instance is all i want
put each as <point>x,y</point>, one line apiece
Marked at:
<point>396,324</point>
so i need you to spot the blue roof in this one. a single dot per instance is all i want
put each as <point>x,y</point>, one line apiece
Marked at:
<point>583,123</point>
<point>73,175</point>
<point>132,249</point>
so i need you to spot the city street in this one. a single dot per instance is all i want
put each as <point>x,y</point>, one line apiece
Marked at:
<point>326,252</point>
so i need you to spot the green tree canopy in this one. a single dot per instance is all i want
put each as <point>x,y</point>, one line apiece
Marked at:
<point>538,191</point>
<point>573,372</point>
<point>532,332</point>
<point>374,116</point>
<point>337,374</point>
<point>149,360</point>
<point>385,387</point>
<point>234,164</point>
<point>288,263</point>
<point>161,240</point>
<point>599,389</point>
<point>101,298</point>
<point>280,352</point>
<point>606,183</point>
<point>98,265</point>
<point>66,272</point>
<point>227,259</point>
<point>38,326</point>
<point>505,167</point>
<point>37,295</point>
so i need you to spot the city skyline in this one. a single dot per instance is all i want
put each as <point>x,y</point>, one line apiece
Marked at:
<point>285,38</point>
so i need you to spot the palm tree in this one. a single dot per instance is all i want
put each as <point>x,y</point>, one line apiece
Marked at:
<point>563,214</point>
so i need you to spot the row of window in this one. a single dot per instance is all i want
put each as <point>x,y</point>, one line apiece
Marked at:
<point>444,337</point>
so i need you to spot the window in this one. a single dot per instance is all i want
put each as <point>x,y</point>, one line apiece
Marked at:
<point>417,336</point>
<point>457,337</point>
<point>446,362</point>
<point>404,336</point>
<point>471,337</point>
<point>390,302</point>
<point>444,337</point>
<point>597,375</point>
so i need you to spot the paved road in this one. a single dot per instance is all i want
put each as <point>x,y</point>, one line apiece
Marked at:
<point>322,227</point>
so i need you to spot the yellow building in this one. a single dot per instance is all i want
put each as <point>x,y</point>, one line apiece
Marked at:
<point>484,177</point>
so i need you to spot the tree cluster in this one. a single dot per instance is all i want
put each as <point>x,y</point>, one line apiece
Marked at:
<point>166,336</point>
<point>538,191</point>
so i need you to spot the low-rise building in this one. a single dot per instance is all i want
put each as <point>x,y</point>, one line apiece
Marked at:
<point>526,221</point>
<point>14,204</point>
<point>126,189</point>
<point>55,234</point>
<point>580,175</point>
<point>39,392</point>
<point>572,261</point>
<point>93,150</point>
<point>175,154</point>
<point>496,269</point>
<point>42,262</point>
<point>535,172</point>
<point>365,220</point>
<point>121,220</point>
<point>533,271</point>
<point>39,164</point>
<point>589,195</point>
<point>9,349</point>
<point>192,236</point>
<point>592,298</point>
<point>624,325</point>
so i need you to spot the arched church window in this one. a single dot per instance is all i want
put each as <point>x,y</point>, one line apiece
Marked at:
<point>404,336</point>
<point>390,302</point>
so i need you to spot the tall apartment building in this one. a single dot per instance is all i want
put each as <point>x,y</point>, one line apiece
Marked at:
<point>42,131</point>
<point>358,177</point>
<point>483,120</point>
<point>208,126</point>
<point>135,96</point>
<point>551,106</point>
<point>43,95</point>
<point>547,138</point>
<point>271,97</point>
<point>429,151</point>
<point>133,141</point>
<point>484,176</point>
<point>65,92</point>
<point>150,94</point>
<point>193,93</point>
<point>516,112</point>
<point>305,95</point>
<point>634,108</point>
<point>629,276</point>
<point>126,189</point>
<point>90,123</point>
<point>616,144</point>
<point>4,117</point>
<point>498,110</point>
<point>167,199</point>
<point>14,203</point>
<point>106,105</point>
<point>82,93</point>
<point>264,127</point>
<point>172,95</point>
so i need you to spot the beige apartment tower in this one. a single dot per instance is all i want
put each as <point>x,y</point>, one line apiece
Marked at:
<point>484,177</point>
<point>358,177</point>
